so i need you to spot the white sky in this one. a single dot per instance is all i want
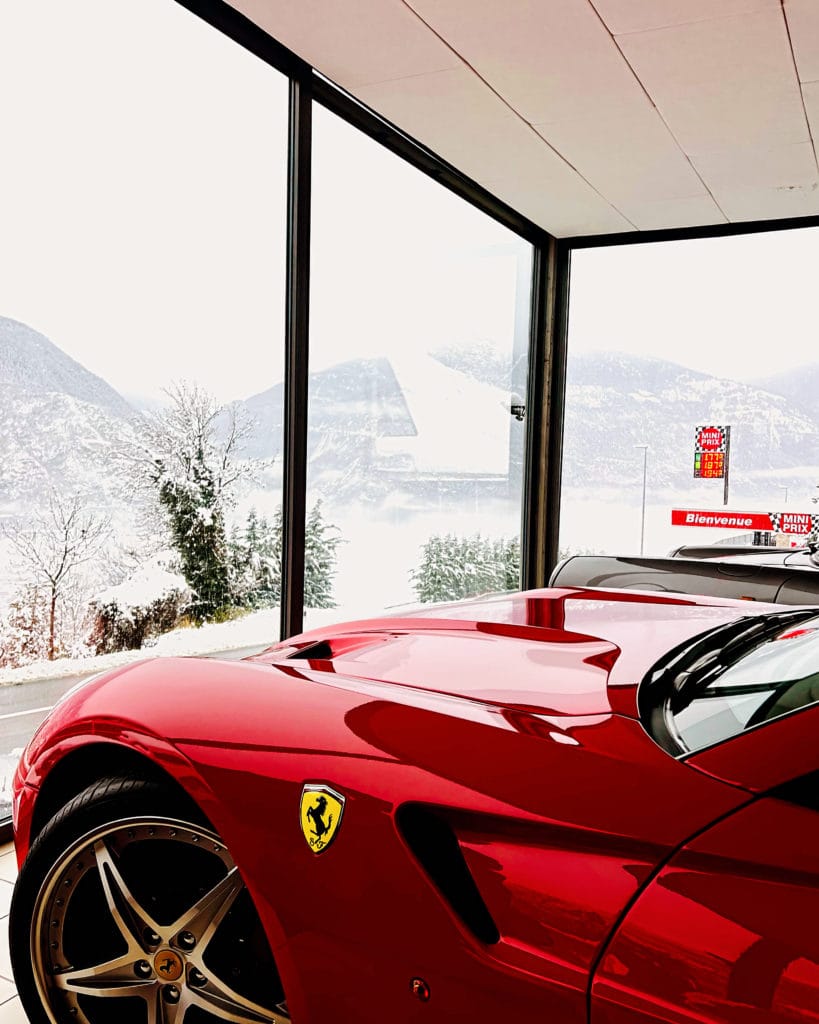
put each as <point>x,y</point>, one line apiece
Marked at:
<point>142,217</point>
<point>739,307</point>
<point>141,192</point>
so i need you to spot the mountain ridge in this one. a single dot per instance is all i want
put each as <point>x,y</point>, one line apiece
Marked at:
<point>60,422</point>
<point>28,358</point>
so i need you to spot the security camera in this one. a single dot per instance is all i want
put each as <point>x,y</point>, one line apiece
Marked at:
<point>517,407</point>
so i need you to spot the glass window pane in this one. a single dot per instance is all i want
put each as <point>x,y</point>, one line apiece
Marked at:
<point>665,338</point>
<point>142,199</point>
<point>418,368</point>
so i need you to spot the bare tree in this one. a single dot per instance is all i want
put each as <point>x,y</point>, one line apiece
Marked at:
<point>54,544</point>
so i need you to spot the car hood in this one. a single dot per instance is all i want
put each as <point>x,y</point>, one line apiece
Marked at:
<point>552,652</point>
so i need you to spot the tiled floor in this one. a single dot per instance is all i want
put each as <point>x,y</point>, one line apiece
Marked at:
<point>10,1010</point>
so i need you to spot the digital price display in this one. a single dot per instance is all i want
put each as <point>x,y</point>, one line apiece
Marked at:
<point>709,465</point>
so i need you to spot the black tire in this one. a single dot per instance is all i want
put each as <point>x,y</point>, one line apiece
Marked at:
<point>130,910</point>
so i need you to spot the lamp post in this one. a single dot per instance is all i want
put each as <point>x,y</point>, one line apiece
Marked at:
<point>785,489</point>
<point>643,511</point>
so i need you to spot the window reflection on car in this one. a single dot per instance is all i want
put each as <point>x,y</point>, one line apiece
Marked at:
<point>727,683</point>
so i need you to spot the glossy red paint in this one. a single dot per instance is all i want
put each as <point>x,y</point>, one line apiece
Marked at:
<point>726,932</point>
<point>565,651</point>
<point>765,757</point>
<point>505,725</point>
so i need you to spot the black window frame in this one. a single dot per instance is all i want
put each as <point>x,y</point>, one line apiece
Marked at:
<point>547,314</point>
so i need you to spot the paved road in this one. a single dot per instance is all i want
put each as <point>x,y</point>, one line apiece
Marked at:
<point>23,707</point>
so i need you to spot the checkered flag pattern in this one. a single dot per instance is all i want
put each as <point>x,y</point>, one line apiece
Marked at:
<point>776,523</point>
<point>720,448</point>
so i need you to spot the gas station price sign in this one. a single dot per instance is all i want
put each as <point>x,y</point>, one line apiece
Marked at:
<point>710,451</point>
<point>709,465</point>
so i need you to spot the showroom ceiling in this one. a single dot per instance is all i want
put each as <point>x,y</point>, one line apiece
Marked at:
<point>588,116</point>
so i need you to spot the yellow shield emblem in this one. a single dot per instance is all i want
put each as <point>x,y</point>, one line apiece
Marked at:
<point>321,811</point>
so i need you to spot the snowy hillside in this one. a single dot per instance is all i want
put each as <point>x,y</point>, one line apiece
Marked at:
<point>29,361</point>
<point>376,425</point>
<point>58,425</point>
<point>615,401</point>
<point>799,386</point>
<point>373,427</point>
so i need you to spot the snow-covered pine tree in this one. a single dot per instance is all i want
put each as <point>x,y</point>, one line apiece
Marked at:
<point>263,546</point>
<point>321,543</point>
<point>456,567</point>
<point>240,570</point>
<point>510,562</point>
<point>440,576</point>
<point>269,577</point>
<point>197,527</point>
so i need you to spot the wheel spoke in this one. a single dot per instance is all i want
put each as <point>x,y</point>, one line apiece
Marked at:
<point>217,997</point>
<point>130,918</point>
<point>153,1007</point>
<point>161,1011</point>
<point>205,916</point>
<point>112,978</point>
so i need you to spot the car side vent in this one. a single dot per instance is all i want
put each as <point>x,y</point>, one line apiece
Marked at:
<point>436,847</point>
<point>321,651</point>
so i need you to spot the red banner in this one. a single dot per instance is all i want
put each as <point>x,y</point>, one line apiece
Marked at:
<point>800,523</point>
<point>795,522</point>
<point>722,520</point>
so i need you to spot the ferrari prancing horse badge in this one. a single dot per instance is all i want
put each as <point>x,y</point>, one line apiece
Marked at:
<point>321,810</point>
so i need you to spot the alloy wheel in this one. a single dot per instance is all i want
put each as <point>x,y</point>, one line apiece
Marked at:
<point>147,921</point>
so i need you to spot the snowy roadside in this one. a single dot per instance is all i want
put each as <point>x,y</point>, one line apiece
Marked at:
<point>259,628</point>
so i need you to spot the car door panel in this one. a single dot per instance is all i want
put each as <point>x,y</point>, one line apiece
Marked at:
<point>726,932</point>
<point>767,756</point>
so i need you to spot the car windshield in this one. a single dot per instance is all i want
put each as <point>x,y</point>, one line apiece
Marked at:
<point>735,678</point>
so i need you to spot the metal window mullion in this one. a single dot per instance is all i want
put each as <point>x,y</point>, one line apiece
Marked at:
<point>296,356</point>
<point>545,412</point>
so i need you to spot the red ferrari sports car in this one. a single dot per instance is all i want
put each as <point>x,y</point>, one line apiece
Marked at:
<point>565,805</point>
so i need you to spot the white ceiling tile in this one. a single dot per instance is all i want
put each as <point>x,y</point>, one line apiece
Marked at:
<point>767,111</point>
<point>719,74</point>
<point>550,61</point>
<point>467,124</point>
<point>810,93</point>
<point>567,216</point>
<point>725,81</point>
<point>803,21</point>
<point>640,16</point>
<point>455,114</point>
<point>739,49</point>
<point>682,213</point>
<point>632,158</point>
<point>783,167</point>
<point>352,42</point>
<point>742,204</point>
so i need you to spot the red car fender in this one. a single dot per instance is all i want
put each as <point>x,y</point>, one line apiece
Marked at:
<point>587,796</point>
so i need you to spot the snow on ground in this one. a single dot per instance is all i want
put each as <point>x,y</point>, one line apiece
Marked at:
<point>152,582</point>
<point>258,629</point>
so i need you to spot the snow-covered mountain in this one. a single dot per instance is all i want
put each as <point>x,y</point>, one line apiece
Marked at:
<point>376,426</point>
<point>58,424</point>
<point>800,386</point>
<point>616,401</point>
<point>373,427</point>
<point>28,360</point>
